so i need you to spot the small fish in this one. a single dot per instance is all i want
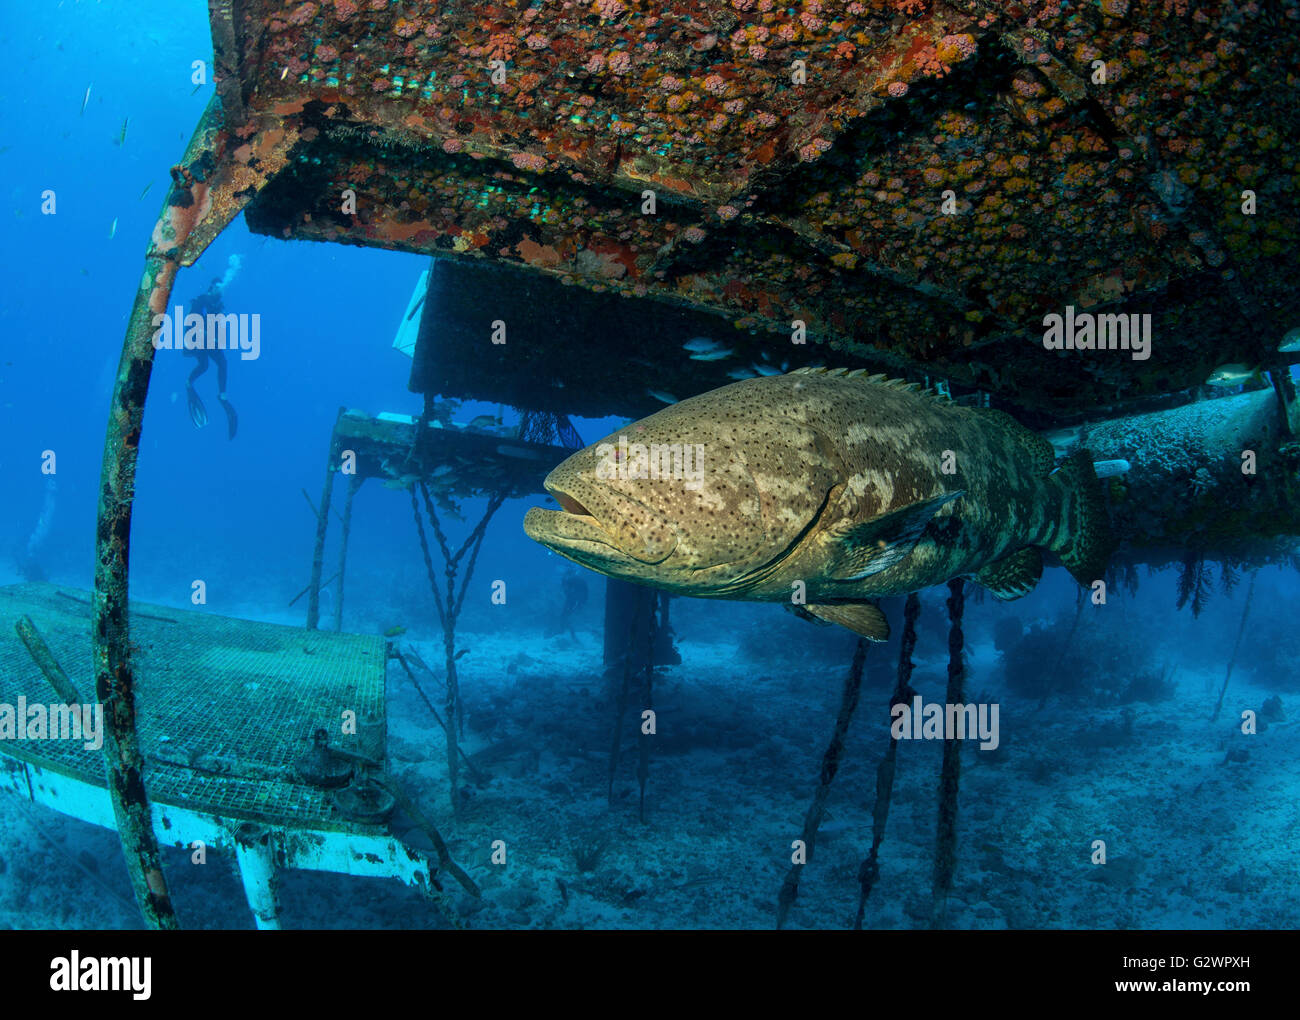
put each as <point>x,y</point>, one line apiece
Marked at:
<point>741,373</point>
<point>199,86</point>
<point>112,231</point>
<point>121,137</point>
<point>411,314</point>
<point>832,829</point>
<point>1234,374</point>
<point>484,421</point>
<point>718,355</point>
<point>395,631</point>
<point>85,99</point>
<point>146,190</point>
<point>766,369</point>
<point>1291,342</point>
<point>284,74</point>
<point>701,345</point>
<point>662,397</point>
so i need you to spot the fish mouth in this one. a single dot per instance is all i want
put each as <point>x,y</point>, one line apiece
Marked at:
<point>570,505</point>
<point>575,532</point>
<point>571,530</point>
<point>576,536</point>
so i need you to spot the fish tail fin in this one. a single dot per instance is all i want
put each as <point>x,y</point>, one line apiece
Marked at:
<point>1084,539</point>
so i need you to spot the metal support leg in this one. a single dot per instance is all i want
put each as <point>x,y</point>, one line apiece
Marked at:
<point>255,855</point>
<point>318,550</point>
<point>354,483</point>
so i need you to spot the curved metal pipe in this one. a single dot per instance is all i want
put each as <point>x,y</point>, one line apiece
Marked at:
<point>114,675</point>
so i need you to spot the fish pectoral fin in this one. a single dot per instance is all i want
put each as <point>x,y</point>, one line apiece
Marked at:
<point>859,617</point>
<point>803,614</point>
<point>860,550</point>
<point>1013,575</point>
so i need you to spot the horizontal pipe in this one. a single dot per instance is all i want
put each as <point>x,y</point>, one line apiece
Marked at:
<point>1216,476</point>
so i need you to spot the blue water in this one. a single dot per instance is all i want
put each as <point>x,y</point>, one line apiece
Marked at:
<point>1196,838</point>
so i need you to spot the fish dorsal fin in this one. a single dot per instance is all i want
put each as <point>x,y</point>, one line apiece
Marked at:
<point>817,370</point>
<point>860,550</point>
<point>875,379</point>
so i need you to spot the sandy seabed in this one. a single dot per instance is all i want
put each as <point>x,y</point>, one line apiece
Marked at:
<point>1193,839</point>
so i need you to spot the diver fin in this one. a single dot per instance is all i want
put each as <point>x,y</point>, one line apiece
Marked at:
<point>860,550</point>
<point>1085,540</point>
<point>232,419</point>
<point>859,617</point>
<point>1014,575</point>
<point>198,413</point>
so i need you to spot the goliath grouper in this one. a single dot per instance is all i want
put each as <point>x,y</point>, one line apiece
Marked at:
<point>858,487</point>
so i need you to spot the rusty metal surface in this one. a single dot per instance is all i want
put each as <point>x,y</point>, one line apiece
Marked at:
<point>817,200</point>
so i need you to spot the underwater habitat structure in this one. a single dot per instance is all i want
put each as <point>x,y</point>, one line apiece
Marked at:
<point>911,191</point>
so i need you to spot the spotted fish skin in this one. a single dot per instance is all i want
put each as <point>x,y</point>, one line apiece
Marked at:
<point>858,487</point>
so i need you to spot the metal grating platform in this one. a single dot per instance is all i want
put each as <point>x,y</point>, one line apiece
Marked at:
<point>227,706</point>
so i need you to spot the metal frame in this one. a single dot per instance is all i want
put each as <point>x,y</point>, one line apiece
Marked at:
<point>259,850</point>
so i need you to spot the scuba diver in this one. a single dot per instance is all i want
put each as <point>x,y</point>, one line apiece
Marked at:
<point>574,587</point>
<point>210,303</point>
<point>28,558</point>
